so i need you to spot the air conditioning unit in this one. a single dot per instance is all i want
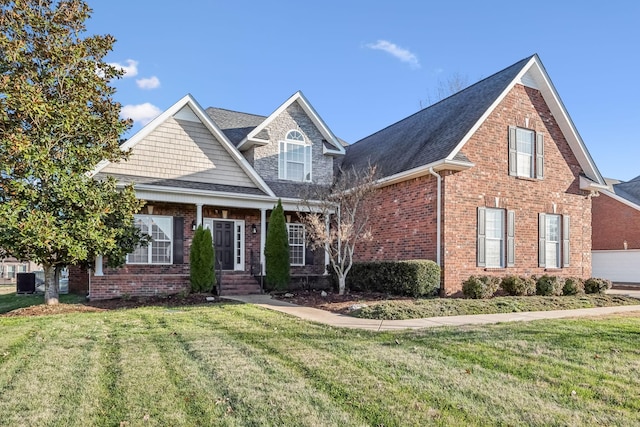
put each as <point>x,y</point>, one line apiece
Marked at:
<point>26,283</point>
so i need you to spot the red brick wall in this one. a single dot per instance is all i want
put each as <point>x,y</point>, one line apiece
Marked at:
<point>480,186</point>
<point>151,280</point>
<point>404,220</point>
<point>613,223</point>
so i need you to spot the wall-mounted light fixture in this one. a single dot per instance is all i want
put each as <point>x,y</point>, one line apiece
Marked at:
<point>150,209</point>
<point>193,225</point>
<point>289,219</point>
<point>254,229</point>
<point>225,213</point>
<point>625,245</point>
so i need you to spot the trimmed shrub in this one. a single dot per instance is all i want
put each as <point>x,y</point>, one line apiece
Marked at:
<point>276,250</point>
<point>480,287</point>
<point>518,285</point>
<point>416,278</point>
<point>202,261</point>
<point>573,286</point>
<point>596,285</point>
<point>549,285</point>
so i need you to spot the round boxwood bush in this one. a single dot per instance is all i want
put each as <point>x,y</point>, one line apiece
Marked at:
<point>549,285</point>
<point>480,287</point>
<point>596,285</point>
<point>573,286</point>
<point>518,285</point>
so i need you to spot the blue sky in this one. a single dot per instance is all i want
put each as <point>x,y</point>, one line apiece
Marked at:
<point>367,64</point>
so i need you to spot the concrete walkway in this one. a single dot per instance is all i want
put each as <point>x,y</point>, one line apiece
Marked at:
<point>342,321</point>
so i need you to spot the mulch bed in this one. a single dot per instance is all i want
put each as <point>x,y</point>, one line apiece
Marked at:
<point>112,304</point>
<point>334,302</point>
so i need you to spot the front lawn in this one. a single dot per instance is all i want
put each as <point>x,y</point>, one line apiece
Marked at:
<point>234,364</point>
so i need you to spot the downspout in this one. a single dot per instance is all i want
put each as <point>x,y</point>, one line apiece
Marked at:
<point>438,216</point>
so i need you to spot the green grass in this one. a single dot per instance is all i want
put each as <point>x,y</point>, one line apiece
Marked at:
<point>9,300</point>
<point>239,365</point>
<point>435,307</point>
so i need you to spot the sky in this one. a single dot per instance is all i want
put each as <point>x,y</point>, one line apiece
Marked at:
<point>365,65</point>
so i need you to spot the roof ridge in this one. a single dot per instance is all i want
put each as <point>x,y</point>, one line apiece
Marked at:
<point>236,111</point>
<point>447,98</point>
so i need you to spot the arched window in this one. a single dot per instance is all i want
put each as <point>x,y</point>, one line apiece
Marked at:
<point>295,158</point>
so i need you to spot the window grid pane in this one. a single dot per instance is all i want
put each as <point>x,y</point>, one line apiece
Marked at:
<point>160,247</point>
<point>525,148</point>
<point>296,244</point>
<point>294,161</point>
<point>552,236</point>
<point>494,232</point>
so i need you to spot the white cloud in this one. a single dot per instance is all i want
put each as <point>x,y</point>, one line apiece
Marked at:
<point>403,55</point>
<point>142,113</point>
<point>150,83</point>
<point>130,69</point>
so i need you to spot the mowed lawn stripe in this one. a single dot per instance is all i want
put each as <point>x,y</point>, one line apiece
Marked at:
<point>52,386</point>
<point>331,370</point>
<point>260,389</point>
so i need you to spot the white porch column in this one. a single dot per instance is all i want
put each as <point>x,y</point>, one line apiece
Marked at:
<point>97,271</point>
<point>327,261</point>
<point>198,214</point>
<point>263,237</point>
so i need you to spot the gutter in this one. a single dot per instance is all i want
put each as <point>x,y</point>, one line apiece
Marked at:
<point>438,216</point>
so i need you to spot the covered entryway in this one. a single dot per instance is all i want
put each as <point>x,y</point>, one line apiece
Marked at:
<point>228,240</point>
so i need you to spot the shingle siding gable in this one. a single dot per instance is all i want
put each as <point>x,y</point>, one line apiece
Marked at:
<point>182,150</point>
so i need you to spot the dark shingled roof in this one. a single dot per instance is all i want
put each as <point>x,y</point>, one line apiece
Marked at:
<point>629,190</point>
<point>293,190</point>
<point>178,183</point>
<point>235,125</point>
<point>430,134</point>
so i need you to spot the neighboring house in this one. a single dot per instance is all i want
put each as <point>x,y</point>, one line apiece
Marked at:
<point>10,267</point>
<point>492,180</point>
<point>616,232</point>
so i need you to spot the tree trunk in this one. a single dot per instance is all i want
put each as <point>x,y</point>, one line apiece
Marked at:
<point>50,285</point>
<point>341,284</point>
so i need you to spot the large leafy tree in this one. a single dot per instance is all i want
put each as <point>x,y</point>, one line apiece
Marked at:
<point>58,121</point>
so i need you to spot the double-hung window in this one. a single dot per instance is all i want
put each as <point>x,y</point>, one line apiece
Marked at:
<point>160,228</point>
<point>526,153</point>
<point>496,238</point>
<point>553,246</point>
<point>296,243</point>
<point>294,159</point>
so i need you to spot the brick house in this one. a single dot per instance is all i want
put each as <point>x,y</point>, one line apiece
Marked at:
<point>225,170</point>
<point>493,180</point>
<point>616,232</point>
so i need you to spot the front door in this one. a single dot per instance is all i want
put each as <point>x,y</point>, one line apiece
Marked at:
<point>223,242</point>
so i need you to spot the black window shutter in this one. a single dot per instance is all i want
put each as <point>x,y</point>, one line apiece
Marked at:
<point>566,249</point>
<point>511,240</point>
<point>308,256</point>
<point>513,152</point>
<point>539,155</point>
<point>542,240</point>
<point>482,259</point>
<point>178,240</point>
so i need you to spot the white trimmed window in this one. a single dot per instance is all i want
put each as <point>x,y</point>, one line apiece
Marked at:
<point>11,271</point>
<point>526,153</point>
<point>553,246</point>
<point>296,243</point>
<point>496,238</point>
<point>160,228</point>
<point>294,159</point>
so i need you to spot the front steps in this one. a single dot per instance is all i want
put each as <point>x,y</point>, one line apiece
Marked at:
<point>238,283</point>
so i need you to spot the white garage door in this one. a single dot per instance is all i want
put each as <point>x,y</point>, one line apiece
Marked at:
<point>617,266</point>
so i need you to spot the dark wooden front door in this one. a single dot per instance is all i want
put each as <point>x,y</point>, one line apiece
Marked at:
<point>223,242</point>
